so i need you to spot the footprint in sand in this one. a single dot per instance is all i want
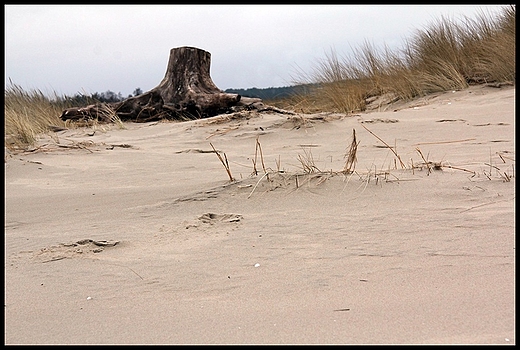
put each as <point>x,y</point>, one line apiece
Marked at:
<point>69,250</point>
<point>211,218</point>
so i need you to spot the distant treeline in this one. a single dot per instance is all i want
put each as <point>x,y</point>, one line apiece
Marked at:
<point>107,96</point>
<point>271,93</point>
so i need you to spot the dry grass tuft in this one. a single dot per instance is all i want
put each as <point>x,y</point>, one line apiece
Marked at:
<point>446,55</point>
<point>310,175</point>
<point>351,155</point>
<point>307,162</point>
<point>28,114</point>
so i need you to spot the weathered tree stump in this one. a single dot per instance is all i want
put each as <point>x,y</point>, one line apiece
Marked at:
<point>186,92</point>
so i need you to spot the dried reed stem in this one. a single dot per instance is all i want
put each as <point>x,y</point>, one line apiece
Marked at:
<point>224,163</point>
<point>307,163</point>
<point>424,160</point>
<point>442,142</point>
<point>255,171</point>
<point>350,164</point>
<point>254,188</point>
<point>456,168</point>
<point>386,144</point>
<point>259,147</point>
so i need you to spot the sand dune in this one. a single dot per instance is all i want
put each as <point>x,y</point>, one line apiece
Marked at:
<point>137,235</point>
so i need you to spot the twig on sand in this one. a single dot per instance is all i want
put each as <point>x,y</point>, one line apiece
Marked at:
<point>128,267</point>
<point>55,259</point>
<point>138,275</point>
<point>256,185</point>
<point>222,132</point>
<point>457,168</point>
<point>484,204</point>
<point>440,142</point>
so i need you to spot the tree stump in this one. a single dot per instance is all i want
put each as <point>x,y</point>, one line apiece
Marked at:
<point>186,92</point>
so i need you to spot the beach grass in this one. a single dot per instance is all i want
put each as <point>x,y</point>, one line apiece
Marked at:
<point>446,55</point>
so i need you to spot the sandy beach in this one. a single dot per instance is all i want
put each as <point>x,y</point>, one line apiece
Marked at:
<point>136,235</point>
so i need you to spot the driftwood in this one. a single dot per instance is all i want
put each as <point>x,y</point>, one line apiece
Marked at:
<point>186,92</point>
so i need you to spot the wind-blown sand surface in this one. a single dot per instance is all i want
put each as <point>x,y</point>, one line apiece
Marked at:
<point>137,236</point>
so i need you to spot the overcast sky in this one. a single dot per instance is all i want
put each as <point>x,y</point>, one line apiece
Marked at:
<point>71,49</point>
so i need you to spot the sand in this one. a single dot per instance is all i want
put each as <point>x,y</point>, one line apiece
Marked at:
<point>136,235</point>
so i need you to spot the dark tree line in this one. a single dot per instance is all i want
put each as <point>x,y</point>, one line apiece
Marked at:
<point>272,93</point>
<point>97,97</point>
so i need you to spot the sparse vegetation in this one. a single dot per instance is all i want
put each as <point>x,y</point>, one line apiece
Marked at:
<point>28,114</point>
<point>447,55</point>
<point>31,113</point>
<point>310,175</point>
